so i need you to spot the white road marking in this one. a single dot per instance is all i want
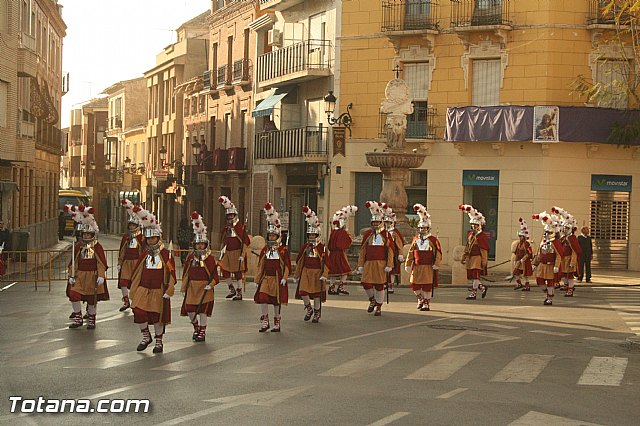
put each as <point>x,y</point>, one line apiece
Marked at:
<point>292,359</point>
<point>443,367</point>
<point>493,338</point>
<point>506,327</point>
<point>550,333</point>
<point>129,357</point>
<point>523,369</point>
<point>535,418</point>
<point>600,339</point>
<point>214,357</point>
<point>126,388</point>
<point>366,363</point>
<point>8,286</point>
<point>63,353</point>
<point>604,371</point>
<point>452,393</point>
<point>390,419</point>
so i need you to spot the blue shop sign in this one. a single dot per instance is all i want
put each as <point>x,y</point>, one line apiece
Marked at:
<point>611,183</point>
<point>481,177</point>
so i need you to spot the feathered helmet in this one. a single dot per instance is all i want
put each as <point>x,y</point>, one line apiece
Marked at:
<point>229,207</point>
<point>313,224</point>
<point>133,217</point>
<point>340,217</point>
<point>524,228</point>
<point>567,219</point>
<point>150,225</point>
<point>273,220</point>
<point>551,222</point>
<point>425,217</point>
<point>199,229</point>
<point>475,217</point>
<point>83,216</point>
<point>376,210</point>
<point>387,211</point>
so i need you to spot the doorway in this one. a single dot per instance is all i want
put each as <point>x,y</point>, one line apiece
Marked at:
<point>298,197</point>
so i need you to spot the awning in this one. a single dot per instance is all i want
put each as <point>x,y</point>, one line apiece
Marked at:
<point>267,105</point>
<point>6,186</point>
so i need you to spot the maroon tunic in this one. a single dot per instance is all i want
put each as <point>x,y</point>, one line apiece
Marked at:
<point>339,241</point>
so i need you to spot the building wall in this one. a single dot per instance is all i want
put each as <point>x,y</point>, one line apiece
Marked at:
<point>549,46</point>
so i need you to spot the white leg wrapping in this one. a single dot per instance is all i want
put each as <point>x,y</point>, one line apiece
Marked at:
<point>228,282</point>
<point>125,291</point>
<point>369,292</point>
<point>316,303</point>
<point>264,309</point>
<point>426,295</point>
<point>91,309</point>
<point>550,290</point>
<point>143,325</point>
<point>418,294</point>
<point>158,328</point>
<point>76,306</point>
<point>476,284</point>
<point>239,284</point>
<point>191,315</point>
<point>306,299</point>
<point>203,319</point>
<point>343,279</point>
<point>276,311</point>
<point>571,283</point>
<point>379,294</point>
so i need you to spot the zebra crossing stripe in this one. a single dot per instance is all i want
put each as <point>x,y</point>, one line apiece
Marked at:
<point>366,363</point>
<point>214,357</point>
<point>443,367</point>
<point>292,359</point>
<point>536,418</point>
<point>523,369</point>
<point>129,357</point>
<point>64,353</point>
<point>604,371</point>
<point>550,333</point>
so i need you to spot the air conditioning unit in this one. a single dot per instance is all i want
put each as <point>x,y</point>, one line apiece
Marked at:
<point>274,38</point>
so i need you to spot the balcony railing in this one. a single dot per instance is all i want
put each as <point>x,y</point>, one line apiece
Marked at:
<point>224,77</point>
<point>116,122</point>
<point>27,41</point>
<point>598,15</point>
<point>307,144</point>
<point>302,56</point>
<point>477,13</point>
<point>409,15</point>
<point>420,124</point>
<point>241,71</point>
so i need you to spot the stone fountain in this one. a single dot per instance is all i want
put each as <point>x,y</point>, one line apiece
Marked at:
<point>394,162</point>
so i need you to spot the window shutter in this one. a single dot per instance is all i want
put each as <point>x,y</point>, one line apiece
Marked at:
<point>486,82</point>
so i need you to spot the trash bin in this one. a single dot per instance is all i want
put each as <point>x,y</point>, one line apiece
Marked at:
<point>20,240</point>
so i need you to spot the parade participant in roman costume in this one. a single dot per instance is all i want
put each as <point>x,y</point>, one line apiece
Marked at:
<point>396,242</point>
<point>571,250</point>
<point>423,260</point>
<point>199,276</point>
<point>152,284</point>
<point>376,259</point>
<point>88,268</point>
<point>274,267</point>
<point>311,269</point>
<point>131,251</point>
<point>339,243</point>
<point>547,259</point>
<point>476,251</point>
<point>523,256</point>
<point>235,246</point>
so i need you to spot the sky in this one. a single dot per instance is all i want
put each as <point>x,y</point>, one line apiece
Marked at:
<point>115,40</point>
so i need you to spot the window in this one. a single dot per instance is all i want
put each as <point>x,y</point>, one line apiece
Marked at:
<point>243,128</point>
<point>227,130</point>
<point>167,98</point>
<point>212,131</point>
<point>186,107</point>
<point>417,189</point>
<point>4,95</point>
<point>417,77</point>
<point>613,76</point>
<point>229,54</point>
<point>173,95</point>
<point>194,105</point>
<point>246,44</point>
<point>487,12</point>
<point>486,82</point>
<point>416,14</point>
<point>214,58</point>
<point>201,102</point>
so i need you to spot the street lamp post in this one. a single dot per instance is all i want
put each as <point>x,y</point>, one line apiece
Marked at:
<point>343,119</point>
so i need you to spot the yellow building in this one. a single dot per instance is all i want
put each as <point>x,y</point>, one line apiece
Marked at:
<point>479,69</point>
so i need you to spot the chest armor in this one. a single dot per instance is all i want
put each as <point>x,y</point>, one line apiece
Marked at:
<point>153,262</point>
<point>423,245</point>
<point>231,232</point>
<point>546,247</point>
<point>311,251</point>
<point>272,254</point>
<point>87,252</point>
<point>377,240</point>
<point>133,243</point>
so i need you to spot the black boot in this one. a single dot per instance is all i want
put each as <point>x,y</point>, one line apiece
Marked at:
<point>372,304</point>
<point>309,313</point>
<point>146,340</point>
<point>158,348</point>
<point>77,320</point>
<point>316,316</point>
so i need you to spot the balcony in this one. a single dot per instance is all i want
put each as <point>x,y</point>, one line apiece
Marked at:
<point>300,145</point>
<point>26,127</point>
<point>406,17</point>
<point>278,5</point>
<point>27,56</point>
<point>598,18</point>
<point>224,78</point>
<point>241,72</point>
<point>298,62</point>
<point>480,15</point>
<point>420,124</point>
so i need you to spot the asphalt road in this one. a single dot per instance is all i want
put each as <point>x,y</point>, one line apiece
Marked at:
<point>503,360</point>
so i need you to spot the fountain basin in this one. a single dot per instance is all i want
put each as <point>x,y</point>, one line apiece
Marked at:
<point>399,160</point>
